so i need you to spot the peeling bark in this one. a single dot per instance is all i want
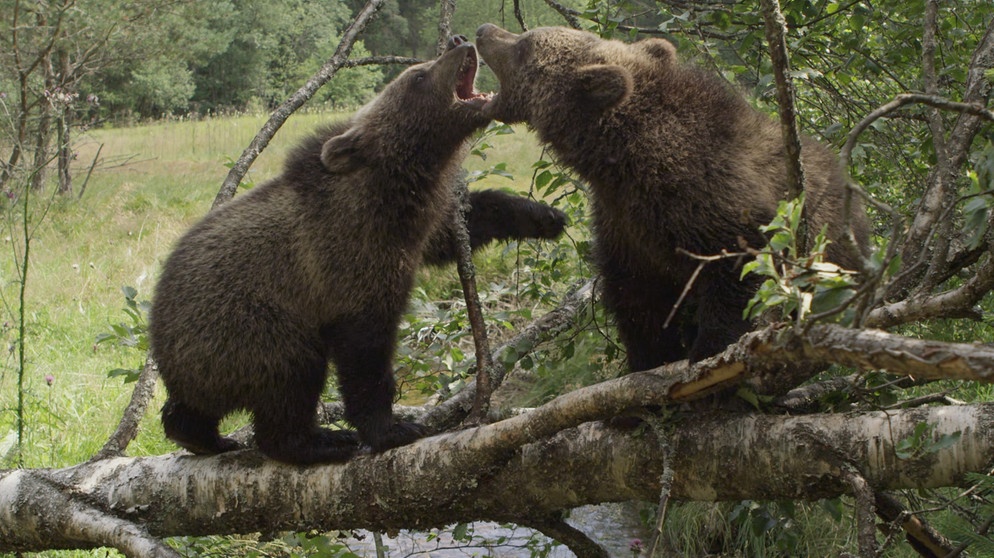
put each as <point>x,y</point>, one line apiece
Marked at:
<point>512,471</point>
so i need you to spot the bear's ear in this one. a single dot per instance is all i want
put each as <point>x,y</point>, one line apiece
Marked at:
<point>660,49</point>
<point>342,153</point>
<point>603,86</point>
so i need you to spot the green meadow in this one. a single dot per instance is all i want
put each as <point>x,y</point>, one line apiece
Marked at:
<point>151,182</point>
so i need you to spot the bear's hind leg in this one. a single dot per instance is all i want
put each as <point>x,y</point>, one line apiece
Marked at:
<point>286,427</point>
<point>193,430</point>
<point>363,352</point>
<point>290,440</point>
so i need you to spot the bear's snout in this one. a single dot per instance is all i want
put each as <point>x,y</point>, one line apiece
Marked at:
<point>485,29</point>
<point>491,31</point>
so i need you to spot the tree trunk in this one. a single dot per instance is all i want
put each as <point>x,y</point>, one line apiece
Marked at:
<point>485,474</point>
<point>65,124</point>
<point>65,153</point>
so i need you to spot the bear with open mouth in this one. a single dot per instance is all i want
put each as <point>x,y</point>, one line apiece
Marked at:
<point>317,264</point>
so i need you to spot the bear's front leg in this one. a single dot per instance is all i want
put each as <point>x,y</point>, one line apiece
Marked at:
<point>721,300</point>
<point>362,352</point>
<point>286,427</point>
<point>640,305</point>
<point>495,216</point>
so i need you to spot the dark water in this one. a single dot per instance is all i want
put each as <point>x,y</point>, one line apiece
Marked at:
<point>613,526</point>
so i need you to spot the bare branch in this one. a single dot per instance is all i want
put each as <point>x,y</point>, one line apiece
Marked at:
<point>929,78</point>
<point>928,232</point>
<point>662,434</point>
<point>922,537</point>
<point>127,429</point>
<point>865,510</point>
<point>845,155</point>
<point>381,61</point>
<point>288,107</point>
<point>448,9</point>
<point>574,539</point>
<point>942,186</point>
<point>571,16</point>
<point>776,36</point>
<point>467,277</point>
<point>791,358</point>
<point>519,16</point>
<point>955,303</point>
<point>878,350</point>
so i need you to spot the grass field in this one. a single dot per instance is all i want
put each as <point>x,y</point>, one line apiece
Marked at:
<point>152,182</point>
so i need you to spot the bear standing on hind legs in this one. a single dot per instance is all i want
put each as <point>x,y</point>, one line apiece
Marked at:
<point>317,265</point>
<point>676,160</point>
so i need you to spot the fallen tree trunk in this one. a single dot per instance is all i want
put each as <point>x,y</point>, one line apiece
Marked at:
<point>483,474</point>
<point>528,468</point>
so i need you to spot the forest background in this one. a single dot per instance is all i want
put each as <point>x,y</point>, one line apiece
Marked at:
<point>119,121</point>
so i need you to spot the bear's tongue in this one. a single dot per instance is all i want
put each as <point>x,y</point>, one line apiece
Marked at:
<point>465,81</point>
<point>466,76</point>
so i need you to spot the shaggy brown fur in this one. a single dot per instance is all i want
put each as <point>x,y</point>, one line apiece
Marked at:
<point>676,159</point>
<point>317,264</point>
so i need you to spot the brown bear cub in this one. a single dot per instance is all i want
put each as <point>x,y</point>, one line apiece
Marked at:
<point>317,265</point>
<point>676,160</point>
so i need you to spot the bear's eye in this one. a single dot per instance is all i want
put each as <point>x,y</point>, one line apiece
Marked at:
<point>522,51</point>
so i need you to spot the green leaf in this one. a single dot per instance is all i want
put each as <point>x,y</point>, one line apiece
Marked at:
<point>945,441</point>
<point>102,337</point>
<point>129,292</point>
<point>904,449</point>
<point>829,299</point>
<point>508,357</point>
<point>459,532</point>
<point>748,268</point>
<point>834,508</point>
<point>130,374</point>
<point>749,396</point>
<point>542,179</point>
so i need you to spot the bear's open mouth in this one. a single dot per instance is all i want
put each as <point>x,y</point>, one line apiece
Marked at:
<point>466,82</point>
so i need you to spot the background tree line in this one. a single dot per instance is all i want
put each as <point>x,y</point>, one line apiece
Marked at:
<point>79,63</point>
<point>151,58</point>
